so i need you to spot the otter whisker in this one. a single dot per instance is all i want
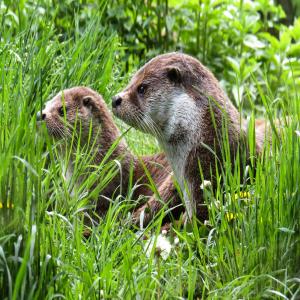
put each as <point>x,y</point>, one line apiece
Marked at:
<point>62,131</point>
<point>141,121</point>
<point>138,119</point>
<point>152,125</point>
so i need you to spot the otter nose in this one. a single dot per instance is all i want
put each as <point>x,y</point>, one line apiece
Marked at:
<point>116,101</point>
<point>40,116</point>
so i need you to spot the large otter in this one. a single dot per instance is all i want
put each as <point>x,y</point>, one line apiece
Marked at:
<point>83,110</point>
<point>179,101</point>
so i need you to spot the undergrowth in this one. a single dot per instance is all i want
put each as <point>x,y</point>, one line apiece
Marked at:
<point>249,248</point>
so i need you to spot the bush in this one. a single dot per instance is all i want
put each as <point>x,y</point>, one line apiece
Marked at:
<point>237,40</point>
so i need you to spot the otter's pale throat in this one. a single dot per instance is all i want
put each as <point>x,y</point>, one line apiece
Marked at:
<point>181,133</point>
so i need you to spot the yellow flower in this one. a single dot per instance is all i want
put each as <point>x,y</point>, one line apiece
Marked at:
<point>8,205</point>
<point>231,216</point>
<point>242,195</point>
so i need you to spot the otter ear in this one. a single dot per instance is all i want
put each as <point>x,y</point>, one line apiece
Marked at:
<point>87,101</point>
<point>174,74</point>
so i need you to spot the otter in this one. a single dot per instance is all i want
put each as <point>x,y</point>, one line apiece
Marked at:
<point>179,101</point>
<point>84,110</point>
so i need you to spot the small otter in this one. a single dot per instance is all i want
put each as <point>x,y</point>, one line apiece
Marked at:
<point>179,101</point>
<point>83,110</point>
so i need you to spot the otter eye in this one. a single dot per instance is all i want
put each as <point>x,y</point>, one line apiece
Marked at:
<point>141,89</point>
<point>61,111</point>
<point>87,100</point>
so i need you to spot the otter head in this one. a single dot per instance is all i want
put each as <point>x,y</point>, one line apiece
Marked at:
<point>165,94</point>
<point>78,109</point>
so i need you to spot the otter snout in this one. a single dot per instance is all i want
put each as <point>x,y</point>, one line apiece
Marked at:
<point>40,116</point>
<point>116,101</point>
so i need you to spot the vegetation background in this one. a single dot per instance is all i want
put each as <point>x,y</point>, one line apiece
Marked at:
<point>250,248</point>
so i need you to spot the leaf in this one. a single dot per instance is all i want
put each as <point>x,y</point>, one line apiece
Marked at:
<point>27,165</point>
<point>234,64</point>
<point>253,42</point>
<point>294,50</point>
<point>271,39</point>
<point>277,293</point>
<point>285,40</point>
<point>170,23</point>
<point>295,31</point>
<point>287,230</point>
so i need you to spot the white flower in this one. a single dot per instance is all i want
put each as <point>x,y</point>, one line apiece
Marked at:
<point>162,248</point>
<point>205,183</point>
<point>176,241</point>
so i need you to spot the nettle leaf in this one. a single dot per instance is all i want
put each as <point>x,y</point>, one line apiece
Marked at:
<point>253,23</point>
<point>271,39</point>
<point>234,63</point>
<point>253,42</point>
<point>294,50</point>
<point>285,40</point>
<point>295,31</point>
<point>250,68</point>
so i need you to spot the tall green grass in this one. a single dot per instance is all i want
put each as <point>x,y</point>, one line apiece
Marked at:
<point>250,249</point>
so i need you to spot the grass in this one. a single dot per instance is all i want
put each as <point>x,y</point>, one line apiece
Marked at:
<point>250,249</point>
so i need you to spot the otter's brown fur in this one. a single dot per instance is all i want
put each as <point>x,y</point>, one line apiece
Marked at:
<point>179,101</point>
<point>86,108</point>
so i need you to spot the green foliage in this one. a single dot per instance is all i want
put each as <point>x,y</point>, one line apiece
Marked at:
<point>251,247</point>
<point>236,39</point>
